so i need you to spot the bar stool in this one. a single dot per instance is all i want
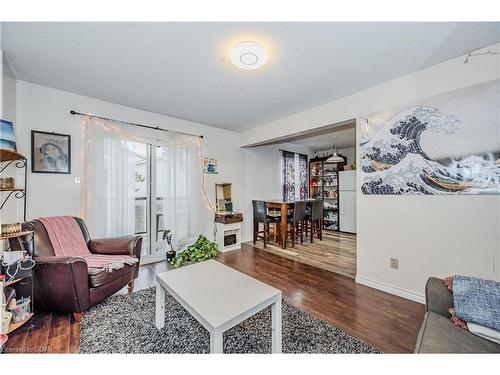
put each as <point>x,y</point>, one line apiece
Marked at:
<point>260,216</point>
<point>296,221</point>
<point>314,220</point>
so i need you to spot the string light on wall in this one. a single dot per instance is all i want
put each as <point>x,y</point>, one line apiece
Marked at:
<point>117,127</point>
<point>203,187</point>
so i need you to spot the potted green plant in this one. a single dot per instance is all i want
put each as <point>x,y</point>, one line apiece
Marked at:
<point>201,250</point>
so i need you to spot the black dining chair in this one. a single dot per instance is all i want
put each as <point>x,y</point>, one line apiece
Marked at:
<point>260,215</point>
<point>314,220</point>
<point>296,221</point>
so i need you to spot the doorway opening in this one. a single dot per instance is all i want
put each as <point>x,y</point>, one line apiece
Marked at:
<point>331,179</point>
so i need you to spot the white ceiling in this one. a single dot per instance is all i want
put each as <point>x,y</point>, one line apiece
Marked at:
<point>183,69</point>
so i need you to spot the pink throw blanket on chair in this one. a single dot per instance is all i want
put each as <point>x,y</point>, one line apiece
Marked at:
<point>67,239</point>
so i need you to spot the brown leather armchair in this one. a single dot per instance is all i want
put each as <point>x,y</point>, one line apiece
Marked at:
<point>66,283</point>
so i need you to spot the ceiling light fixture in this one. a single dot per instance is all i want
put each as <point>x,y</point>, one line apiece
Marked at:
<point>335,158</point>
<point>249,55</point>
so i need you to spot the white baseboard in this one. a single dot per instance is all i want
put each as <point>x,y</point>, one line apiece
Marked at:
<point>408,294</point>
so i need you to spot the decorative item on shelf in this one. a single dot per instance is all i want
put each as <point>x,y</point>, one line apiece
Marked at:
<point>201,250</point>
<point>7,183</point>
<point>20,309</point>
<point>210,166</point>
<point>6,319</point>
<point>315,182</point>
<point>329,170</point>
<point>11,229</point>
<point>7,139</point>
<point>50,152</point>
<point>316,170</point>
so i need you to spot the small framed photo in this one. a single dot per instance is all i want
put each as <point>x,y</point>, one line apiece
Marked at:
<point>210,166</point>
<point>50,152</point>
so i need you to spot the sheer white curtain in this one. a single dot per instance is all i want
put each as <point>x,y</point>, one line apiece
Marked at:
<point>179,185</point>
<point>109,184</point>
<point>109,189</point>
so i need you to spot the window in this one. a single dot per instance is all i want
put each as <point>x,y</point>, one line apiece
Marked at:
<point>294,175</point>
<point>146,182</point>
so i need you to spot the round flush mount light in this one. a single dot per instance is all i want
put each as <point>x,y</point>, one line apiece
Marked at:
<point>249,55</point>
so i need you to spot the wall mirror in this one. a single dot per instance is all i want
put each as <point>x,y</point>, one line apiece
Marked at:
<point>223,197</point>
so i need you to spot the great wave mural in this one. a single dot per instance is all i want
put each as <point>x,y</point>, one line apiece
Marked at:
<point>447,144</point>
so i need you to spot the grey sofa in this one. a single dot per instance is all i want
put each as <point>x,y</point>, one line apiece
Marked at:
<point>438,334</point>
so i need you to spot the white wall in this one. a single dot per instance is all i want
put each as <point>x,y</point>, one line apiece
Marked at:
<point>47,109</point>
<point>431,235</point>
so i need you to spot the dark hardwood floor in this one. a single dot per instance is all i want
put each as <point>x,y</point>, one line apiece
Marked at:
<point>50,332</point>
<point>388,322</point>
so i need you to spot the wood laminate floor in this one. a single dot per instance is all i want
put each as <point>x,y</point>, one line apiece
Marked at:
<point>388,322</point>
<point>335,253</point>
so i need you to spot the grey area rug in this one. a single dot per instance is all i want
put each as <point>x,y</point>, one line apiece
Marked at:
<point>125,324</point>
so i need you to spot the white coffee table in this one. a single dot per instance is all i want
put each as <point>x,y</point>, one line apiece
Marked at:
<point>219,297</point>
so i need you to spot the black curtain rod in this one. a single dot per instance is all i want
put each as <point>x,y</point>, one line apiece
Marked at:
<point>131,123</point>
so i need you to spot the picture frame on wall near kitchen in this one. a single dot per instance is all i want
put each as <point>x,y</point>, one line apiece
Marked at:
<point>50,152</point>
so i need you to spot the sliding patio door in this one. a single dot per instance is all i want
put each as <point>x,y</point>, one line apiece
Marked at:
<point>148,221</point>
<point>144,183</point>
<point>149,201</point>
<point>168,191</point>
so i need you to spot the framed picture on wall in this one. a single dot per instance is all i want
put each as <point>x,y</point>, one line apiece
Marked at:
<point>446,144</point>
<point>210,166</point>
<point>50,152</point>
